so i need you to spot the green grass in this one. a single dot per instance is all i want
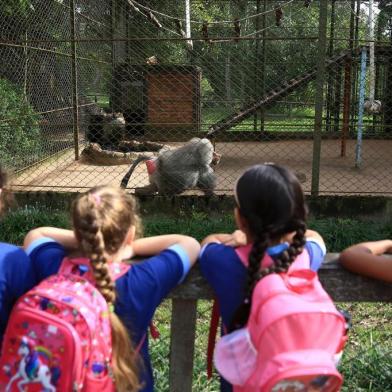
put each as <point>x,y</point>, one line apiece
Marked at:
<point>367,362</point>
<point>338,233</point>
<point>301,119</point>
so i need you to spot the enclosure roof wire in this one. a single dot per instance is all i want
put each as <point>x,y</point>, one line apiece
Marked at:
<point>214,21</point>
<point>162,26</point>
<point>271,26</point>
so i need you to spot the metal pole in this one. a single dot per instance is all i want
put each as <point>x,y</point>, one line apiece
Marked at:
<point>330,85</point>
<point>347,88</point>
<point>319,101</point>
<point>257,63</point>
<point>74,80</point>
<point>263,57</point>
<point>362,81</point>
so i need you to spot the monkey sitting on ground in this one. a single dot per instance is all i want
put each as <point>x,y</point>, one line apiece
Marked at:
<point>177,170</point>
<point>106,129</point>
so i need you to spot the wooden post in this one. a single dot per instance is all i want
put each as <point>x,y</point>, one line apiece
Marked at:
<point>74,80</point>
<point>182,344</point>
<point>318,121</point>
<point>337,99</point>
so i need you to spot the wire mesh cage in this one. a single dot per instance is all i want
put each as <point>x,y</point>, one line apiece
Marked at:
<point>87,87</point>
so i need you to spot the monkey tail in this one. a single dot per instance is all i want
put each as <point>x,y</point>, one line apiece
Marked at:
<point>125,180</point>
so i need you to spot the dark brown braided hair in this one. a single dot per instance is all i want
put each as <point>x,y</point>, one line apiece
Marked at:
<point>270,199</point>
<point>102,218</point>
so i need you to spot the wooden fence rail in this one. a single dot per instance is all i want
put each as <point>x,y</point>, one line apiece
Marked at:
<point>339,283</point>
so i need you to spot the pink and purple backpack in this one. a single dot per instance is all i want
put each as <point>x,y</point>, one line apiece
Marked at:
<point>58,337</point>
<point>293,337</point>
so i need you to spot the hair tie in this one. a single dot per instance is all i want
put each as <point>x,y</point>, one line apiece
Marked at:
<point>96,198</point>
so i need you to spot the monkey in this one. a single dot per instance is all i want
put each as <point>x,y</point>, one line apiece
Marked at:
<point>204,31</point>
<point>237,29</point>
<point>177,170</point>
<point>106,129</point>
<point>278,15</point>
<point>153,60</point>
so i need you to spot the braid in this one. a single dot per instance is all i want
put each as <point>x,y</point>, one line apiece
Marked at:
<point>285,259</point>
<point>255,257</point>
<point>92,243</point>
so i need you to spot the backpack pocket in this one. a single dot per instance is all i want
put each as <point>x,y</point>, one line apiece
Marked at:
<point>235,356</point>
<point>39,354</point>
<point>302,370</point>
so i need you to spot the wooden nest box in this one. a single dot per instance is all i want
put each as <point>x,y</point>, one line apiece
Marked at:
<point>158,97</point>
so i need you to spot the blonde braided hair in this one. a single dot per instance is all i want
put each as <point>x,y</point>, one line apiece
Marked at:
<point>102,218</point>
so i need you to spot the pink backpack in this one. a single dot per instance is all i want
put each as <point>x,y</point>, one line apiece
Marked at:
<point>293,337</point>
<point>58,337</point>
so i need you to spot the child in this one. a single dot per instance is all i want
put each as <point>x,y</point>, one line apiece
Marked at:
<point>271,217</point>
<point>367,259</point>
<point>104,225</point>
<point>16,275</point>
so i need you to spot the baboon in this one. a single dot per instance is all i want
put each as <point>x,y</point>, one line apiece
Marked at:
<point>177,170</point>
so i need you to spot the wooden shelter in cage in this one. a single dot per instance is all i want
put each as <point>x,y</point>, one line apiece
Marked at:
<point>158,97</point>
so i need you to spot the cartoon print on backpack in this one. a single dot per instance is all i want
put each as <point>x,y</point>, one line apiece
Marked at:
<point>31,368</point>
<point>67,336</point>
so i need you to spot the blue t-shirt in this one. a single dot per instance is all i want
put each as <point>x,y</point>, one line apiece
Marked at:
<point>139,291</point>
<point>227,275</point>
<point>16,277</point>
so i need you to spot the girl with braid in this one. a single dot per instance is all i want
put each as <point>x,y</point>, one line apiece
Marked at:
<point>270,214</point>
<point>105,224</point>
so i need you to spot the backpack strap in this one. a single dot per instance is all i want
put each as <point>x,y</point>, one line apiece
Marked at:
<point>80,266</point>
<point>214,322</point>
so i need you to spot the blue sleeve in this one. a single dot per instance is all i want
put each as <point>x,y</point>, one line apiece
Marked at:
<point>226,274</point>
<point>147,283</point>
<point>46,256</point>
<point>16,278</point>
<point>317,252</point>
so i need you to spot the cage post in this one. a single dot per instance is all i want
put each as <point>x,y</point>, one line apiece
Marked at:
<point>337,100</point>
<point>319,101</point>
<point>74,79</point>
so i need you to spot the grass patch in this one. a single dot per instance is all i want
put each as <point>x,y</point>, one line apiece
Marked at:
<point>338,233</point>
<point>367,362</point>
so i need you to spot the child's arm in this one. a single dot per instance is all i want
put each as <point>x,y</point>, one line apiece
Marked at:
<point>150,246</point>
<point>366,259</point>
<point>237,238</point>
<point>64,237</point>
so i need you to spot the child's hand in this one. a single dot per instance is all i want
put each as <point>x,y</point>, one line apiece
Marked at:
<point>237,238</point>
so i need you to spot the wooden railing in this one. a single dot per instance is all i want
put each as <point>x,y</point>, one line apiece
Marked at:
<point>339,283</point>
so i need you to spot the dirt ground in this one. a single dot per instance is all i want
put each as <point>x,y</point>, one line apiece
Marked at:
<point>337,175</point>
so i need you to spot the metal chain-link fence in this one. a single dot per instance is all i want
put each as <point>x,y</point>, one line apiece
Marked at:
<point>87,87</point>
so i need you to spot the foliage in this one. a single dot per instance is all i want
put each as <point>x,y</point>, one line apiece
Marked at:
<point>20,133</point>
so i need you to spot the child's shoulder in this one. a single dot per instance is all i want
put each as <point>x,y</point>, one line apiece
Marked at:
<point>12,256</point>
<point>217,256</point>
